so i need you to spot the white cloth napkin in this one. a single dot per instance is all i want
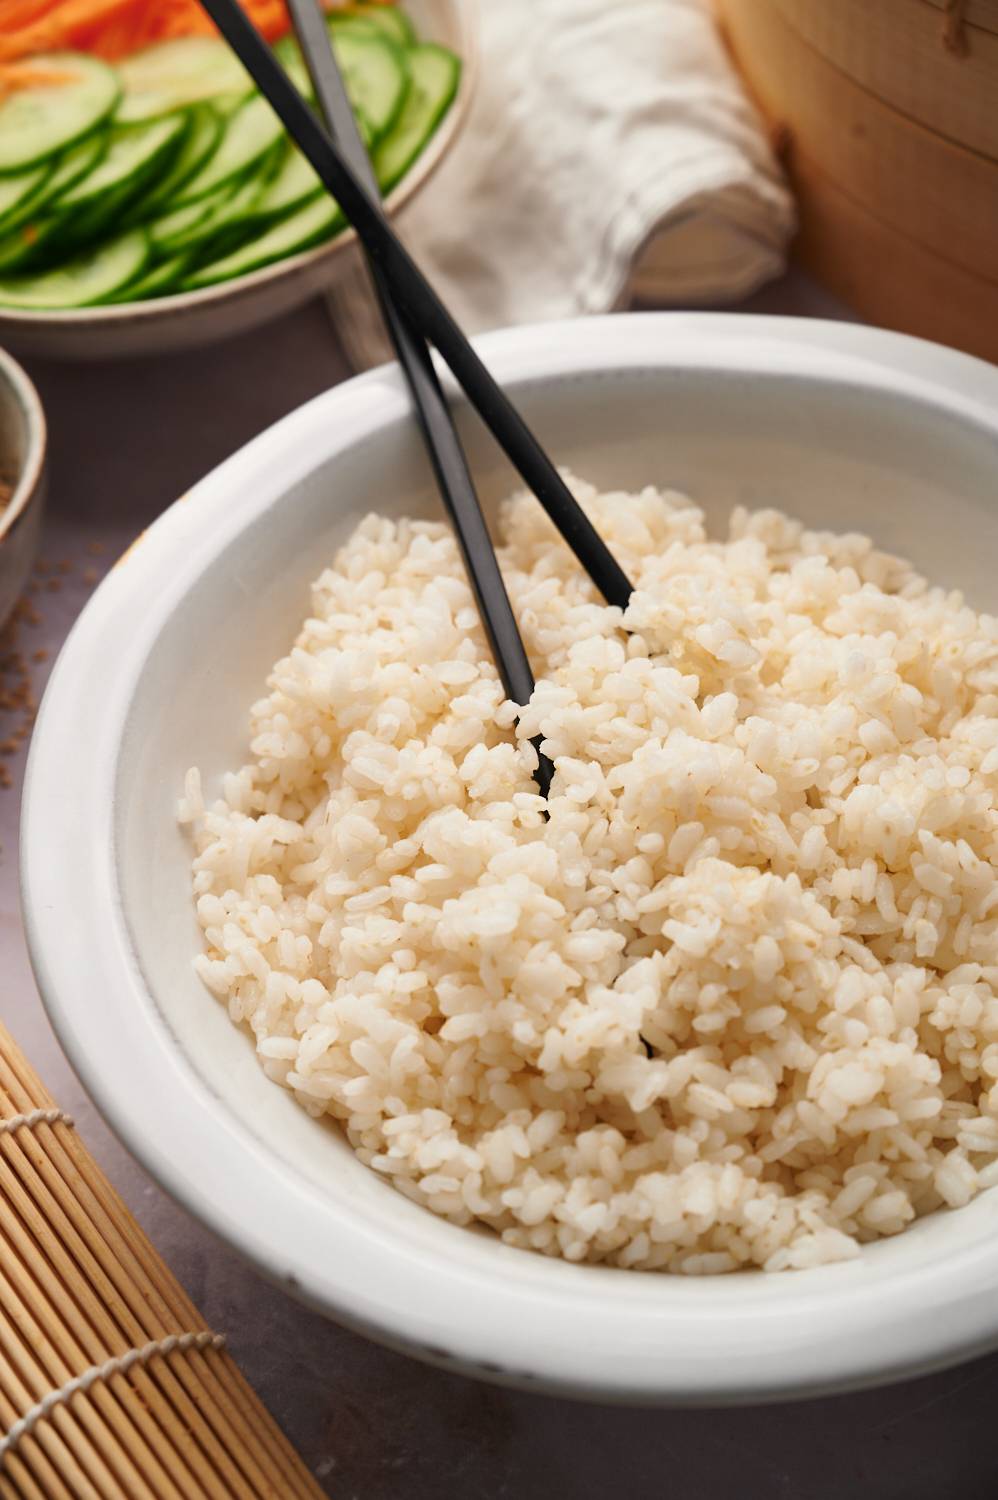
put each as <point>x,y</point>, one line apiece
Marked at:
<point>610,153</point>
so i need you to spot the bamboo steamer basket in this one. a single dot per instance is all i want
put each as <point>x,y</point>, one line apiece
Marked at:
<point>887,278</point>
<point>887,114</point>
<point>908,54</point>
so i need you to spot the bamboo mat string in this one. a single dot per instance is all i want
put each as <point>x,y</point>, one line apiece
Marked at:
<point>36,1117</point>
<point>111,1385</point>
<point>119,1365</point>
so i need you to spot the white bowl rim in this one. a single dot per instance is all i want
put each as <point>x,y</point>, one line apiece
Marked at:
<point>652,1339</point>
<point>27,480</point>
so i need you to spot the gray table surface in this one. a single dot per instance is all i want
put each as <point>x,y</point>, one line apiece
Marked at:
<point>374,1425</point>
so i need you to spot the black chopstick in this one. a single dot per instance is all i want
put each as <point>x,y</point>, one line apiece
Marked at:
<point>426,313</point>
<point>442,442</point>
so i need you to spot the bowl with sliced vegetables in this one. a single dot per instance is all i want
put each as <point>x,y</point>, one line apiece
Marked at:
<point>156,203</point>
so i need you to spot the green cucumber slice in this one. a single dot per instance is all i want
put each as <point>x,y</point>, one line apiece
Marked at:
<point>18,186</point>
<point>249,134</point>
<point>315,222</point>
<point>294,184</point>
<point>172,230</point>
<point>36,122</point>
<point>167,75</point>
<point>233,219</point>
<point>153,282</point>
<point>28,234</point>
<point>288,54</point>
<point>20,192</point>
<point>435,73</point>
<point>132,155</point>
<point>391,19</point>
<point>375,71</point>
<point>74,163</point>
<point>203,133</point>
<point>83,281</point>
<point>30,240</point>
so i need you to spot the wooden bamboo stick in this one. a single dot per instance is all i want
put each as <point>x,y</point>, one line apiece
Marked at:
<point>147,1406</point>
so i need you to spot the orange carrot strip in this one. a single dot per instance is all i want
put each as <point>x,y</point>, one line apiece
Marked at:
<point>114,28</point>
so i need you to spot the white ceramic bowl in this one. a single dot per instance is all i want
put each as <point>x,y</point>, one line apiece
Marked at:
<point>843,426</point>
<point>22,466</point>
<point>192,319</point>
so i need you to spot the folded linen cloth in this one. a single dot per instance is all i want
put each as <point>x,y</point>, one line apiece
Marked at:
<point>610,154</point>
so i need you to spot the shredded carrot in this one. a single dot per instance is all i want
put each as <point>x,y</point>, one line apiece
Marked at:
<point>114,28</point>
<point>28,75</point>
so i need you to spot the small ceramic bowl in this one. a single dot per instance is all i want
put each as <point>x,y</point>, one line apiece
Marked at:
<point>22,469</point>
<point>192,319</point>
<point>842,426</point>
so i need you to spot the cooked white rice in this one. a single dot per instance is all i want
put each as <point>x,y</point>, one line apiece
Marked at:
<point>771,855</point>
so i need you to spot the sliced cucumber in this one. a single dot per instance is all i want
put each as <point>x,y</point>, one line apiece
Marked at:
<point>75,163</point>
<point>48,237</point>
<point>20,192</point>
<point>83,281</point>
<point>294,184</point>
<point>375,71</point>
<point>435,73</point>
<point>392,20</point>
<point>288,54</point>
<point>203,132</point>
<point>167,75</point>
<point>315,222</point>
<point>41,238</point>
<point>172,230</point>
<point>156,281</point>
<point>249,134</point>
<point>227,104</point>
<point>355,19</point>
<point>36,122</point>
<point>232,220</point>
<point>132,156</point>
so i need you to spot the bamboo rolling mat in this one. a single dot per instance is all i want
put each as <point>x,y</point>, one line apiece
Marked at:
<point>111,1385</point>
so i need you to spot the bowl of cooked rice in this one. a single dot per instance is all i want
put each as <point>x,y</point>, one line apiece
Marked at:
<point>680,1085</point>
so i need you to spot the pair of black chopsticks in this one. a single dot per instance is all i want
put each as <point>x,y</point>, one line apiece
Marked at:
<point>414,314</point>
